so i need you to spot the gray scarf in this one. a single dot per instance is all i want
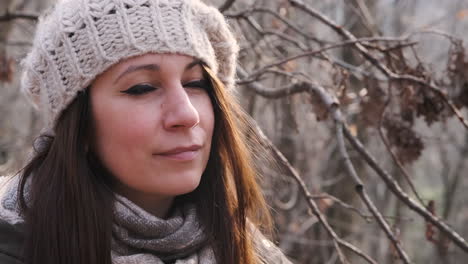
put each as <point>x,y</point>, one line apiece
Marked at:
<point>179,238</point>
<point>139,237</point>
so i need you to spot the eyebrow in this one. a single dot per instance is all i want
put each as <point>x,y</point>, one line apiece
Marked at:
<point>155,67</point>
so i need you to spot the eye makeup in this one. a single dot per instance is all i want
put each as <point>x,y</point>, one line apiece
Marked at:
<point>139,89</point>
<point>203,84</point>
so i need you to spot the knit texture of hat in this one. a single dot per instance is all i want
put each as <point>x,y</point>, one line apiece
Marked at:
<point>79,39</point>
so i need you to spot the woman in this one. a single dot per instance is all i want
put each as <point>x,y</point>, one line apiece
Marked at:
<point>143,159</point>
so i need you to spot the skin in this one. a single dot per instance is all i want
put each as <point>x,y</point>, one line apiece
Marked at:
<point>144,110</point>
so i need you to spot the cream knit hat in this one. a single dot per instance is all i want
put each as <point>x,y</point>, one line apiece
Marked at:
<point>79,39</point>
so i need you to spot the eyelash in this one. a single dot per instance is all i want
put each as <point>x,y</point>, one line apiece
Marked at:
<point>140,89</point>
<point>203,84</point>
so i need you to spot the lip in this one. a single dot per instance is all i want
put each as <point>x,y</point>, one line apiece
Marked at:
<point>184,153</point>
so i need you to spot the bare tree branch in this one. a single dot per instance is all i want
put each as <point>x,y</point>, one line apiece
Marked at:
<point>452,186</point>
<point>312,205</point>
<point>368,20</point>
<point>246,13</point>
<point>311,202</point>
<point>277,33</point>
<point>392,154</point>
<point>342,204</point>
<point>332,104</point>
<point>12,16</point>
<point>396,189</point>
<point>360,188</point>
<point>374,61</point>
<point>16,43</point>
<point>258,72</point>
<point>226,5</point>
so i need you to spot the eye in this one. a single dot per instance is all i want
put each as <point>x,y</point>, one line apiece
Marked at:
<point>139,89</point>
<point>203,84</point>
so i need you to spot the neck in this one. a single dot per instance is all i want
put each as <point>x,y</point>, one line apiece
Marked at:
<point>156,205</point>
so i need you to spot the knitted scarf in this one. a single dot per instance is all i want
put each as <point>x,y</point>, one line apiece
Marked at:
<point>179,238</point>
<point>140,237</point>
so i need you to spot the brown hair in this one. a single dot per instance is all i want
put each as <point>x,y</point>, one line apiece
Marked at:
<point>68,214</point>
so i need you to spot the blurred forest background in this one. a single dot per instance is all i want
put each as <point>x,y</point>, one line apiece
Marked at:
<point>365,99</point>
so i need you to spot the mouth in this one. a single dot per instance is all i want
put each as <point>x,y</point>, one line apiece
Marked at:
<point>183,153</point>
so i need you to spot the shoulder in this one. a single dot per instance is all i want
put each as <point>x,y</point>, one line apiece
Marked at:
<point>267,250</point>
<point>11,240</point>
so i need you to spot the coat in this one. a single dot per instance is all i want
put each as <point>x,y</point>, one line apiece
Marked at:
<point>12,237</point>
<point>11,241</point>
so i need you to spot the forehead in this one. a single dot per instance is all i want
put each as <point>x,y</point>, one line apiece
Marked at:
<point>160,63</point>
<point>162,60</point>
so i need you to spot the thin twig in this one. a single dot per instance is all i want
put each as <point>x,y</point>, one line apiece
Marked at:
<point>396,189</point>
<point>389,149</point>
<point>399,165</point>
<point>360,189</point>
<point>12,16</point>
<point>246,13</point>
<point>311,53</point>
<point>16,43</point>
<point>368,20</point>
<point>366,216</point>
<point>450,37</point>
<point>315,209</point>
<point>226,5</point>
<point>342,204</point>
<point>277,33</point>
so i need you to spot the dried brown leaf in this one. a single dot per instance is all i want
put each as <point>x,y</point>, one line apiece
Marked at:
<point>430,229</point>
<point>6,69</point>
<point>404,139</point>
<point>373,103</point>
<point>318,106</point>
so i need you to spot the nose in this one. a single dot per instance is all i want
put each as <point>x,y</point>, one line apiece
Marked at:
<point>179,111</point>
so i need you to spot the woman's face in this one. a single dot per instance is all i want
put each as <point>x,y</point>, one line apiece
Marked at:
<point>153,124</point>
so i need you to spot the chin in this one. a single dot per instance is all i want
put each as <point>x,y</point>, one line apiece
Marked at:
<point>183,185</point>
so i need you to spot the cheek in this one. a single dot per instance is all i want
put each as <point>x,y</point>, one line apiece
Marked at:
<point>206,113</point>
<point>120,129</point>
